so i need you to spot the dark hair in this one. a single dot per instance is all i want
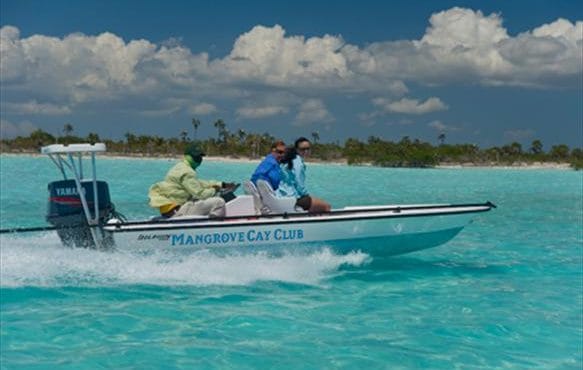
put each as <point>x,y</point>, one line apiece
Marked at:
<point>289,156</point>
<point>300,140</point>
<point>276,144</point>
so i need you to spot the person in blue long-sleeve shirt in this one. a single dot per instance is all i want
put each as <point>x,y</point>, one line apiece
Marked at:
<point>269,169</point>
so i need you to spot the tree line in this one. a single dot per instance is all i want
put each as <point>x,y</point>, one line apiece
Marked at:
<point>379,152</point>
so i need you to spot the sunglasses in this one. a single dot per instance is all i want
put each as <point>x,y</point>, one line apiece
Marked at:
<point>279,151</point>
<point>304,149</point>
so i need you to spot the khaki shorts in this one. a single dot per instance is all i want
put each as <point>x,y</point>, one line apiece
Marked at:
<point>214,206</point>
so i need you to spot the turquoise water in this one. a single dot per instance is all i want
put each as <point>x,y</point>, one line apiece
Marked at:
<point>507,292</point>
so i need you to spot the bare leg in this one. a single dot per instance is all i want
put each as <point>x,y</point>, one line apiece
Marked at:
<point>319,206</point>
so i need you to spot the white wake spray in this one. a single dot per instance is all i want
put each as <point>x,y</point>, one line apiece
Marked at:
<point>41,261</point>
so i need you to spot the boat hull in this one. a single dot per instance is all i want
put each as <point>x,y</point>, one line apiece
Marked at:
<point>381,233</point>
<point>396,244</point>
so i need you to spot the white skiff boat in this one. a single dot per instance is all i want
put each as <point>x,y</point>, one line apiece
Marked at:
<point>81,212</point>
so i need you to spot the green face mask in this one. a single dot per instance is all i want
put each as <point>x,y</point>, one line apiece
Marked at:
<point>192,162</point>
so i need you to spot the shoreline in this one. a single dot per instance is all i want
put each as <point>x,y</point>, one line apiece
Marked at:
<point>343,162</point>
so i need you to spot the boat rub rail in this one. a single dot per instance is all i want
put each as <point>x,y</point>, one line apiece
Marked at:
<point>297,218</point>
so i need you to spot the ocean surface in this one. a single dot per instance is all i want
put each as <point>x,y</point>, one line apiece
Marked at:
<point>507,292</point>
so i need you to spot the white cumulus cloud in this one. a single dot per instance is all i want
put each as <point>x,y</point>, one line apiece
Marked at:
<point>313,111</point>
<point>78,72</point>
<point>203,108</point>
<point>260,112</point>
<point>438,125</point>
<point>267,55</point>
<point>411,106</point>
<point>442,127</point>
<point>34,108</point>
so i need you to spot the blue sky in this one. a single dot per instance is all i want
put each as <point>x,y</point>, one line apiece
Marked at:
<point>483,72</point>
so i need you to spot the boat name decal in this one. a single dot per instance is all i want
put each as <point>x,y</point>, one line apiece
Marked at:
<point>237,237</point>
<point>153,236</point>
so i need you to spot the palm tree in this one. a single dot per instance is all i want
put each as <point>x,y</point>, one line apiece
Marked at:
<point>183,135</point>
<point>195,124</point>
<point>67,129</point>
<point>42,138</point>
<point>241,134</point>
<point>130,138</point>
<point>222,130</point>
<point>516,148</point>
<point>316,137</point>
<point>536,147</point>
<point>253,141</point>
<point>93,138</point>
<point>559,152</point>
<point>441,138</point>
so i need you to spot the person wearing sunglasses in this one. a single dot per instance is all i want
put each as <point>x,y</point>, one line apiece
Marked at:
<point>181,193</point>
<point>269,169</point>
<point>293,178</point>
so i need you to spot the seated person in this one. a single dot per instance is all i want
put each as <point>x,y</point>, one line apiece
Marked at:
<point>182,194</point>
<point>268,169</point>
<point>293,178</point>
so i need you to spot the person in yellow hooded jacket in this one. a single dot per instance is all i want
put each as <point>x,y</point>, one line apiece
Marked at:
<point>181,193</point>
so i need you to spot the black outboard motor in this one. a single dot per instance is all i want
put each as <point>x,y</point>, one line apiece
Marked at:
<point>65,212</point>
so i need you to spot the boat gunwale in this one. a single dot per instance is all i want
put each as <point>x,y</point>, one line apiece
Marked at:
<point>295,218</point>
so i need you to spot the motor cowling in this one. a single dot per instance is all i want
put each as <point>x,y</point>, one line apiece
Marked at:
<point>65,211</point>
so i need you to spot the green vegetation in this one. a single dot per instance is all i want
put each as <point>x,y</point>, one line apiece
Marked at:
<point>375,151</point>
